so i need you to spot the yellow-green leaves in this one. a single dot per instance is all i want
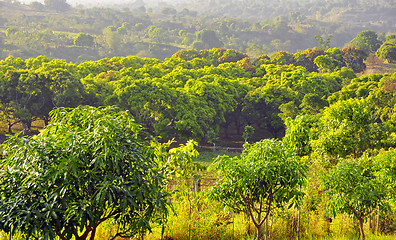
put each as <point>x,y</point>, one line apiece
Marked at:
<point>266,175</point>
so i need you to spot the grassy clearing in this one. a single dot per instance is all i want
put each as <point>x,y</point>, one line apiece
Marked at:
<point>380,68</point>
<point>205,158</point>
<point>375,65</point>
<point>36,126</point>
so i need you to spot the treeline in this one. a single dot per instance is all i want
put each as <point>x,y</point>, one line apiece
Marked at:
<point>58,30</point>
<point>195,94</point>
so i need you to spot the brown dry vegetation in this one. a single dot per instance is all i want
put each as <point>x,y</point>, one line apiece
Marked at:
<point>374,65</point>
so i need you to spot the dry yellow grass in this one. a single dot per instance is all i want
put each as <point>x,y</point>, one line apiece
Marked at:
<point>375,65</point>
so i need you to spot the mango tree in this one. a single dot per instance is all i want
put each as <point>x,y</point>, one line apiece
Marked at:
<point>350,127</point>
<point>87,166</point>
<point>266,175</point>
<point>355,189</point>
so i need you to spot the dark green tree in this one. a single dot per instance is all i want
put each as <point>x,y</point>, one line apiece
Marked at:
<point>84,39</point>
<point>367,40</point>
<point>209,39</point>
<point>89,165</point>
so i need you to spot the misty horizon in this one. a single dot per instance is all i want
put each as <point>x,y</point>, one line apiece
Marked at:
<point>112,3</point>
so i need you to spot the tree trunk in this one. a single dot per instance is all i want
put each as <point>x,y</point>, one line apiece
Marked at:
<point>189,217</point>
<point>233,225</point>
<point>86,233</point>
<point>25,128</point>
<point>238,126</point>
<point>341,225</point>
<point>270,230</point>
<point>378,221</point>
<point>298,222</point>
<point>10,127</point>
<point>46,120</point>
<point>362,236</point>
<point>93,234</point>
<point>226,126</point>
<point>298,218</point>
<point>259,234</point>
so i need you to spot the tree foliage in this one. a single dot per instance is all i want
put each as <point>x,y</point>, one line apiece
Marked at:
<point>58,5</point>
<point>387,51</point>
<point>89,165</point>
<point>367,40</point>
<point>355,189</point>
<point>265,176</point>
<point>85,40</point>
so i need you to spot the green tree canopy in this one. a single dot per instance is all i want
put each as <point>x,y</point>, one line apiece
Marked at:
<point>349,128</point>
<point>367,40</point>
<point>89,165</point>
<point>265,176</point>
<point>355,189</point>
<point>387,51</point>
<point>84,39</point>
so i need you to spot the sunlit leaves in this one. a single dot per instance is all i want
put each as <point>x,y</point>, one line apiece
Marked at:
<point>266,175</point>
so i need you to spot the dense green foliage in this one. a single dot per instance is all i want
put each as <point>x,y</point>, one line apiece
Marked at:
<point>87,166</point>
<point>338,124</point>
<point>186,96</point>
<point>387,51</point>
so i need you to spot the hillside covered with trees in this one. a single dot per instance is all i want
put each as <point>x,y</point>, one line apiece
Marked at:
<point>78,34</point>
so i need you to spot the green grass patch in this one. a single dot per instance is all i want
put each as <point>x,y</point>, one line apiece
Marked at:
<point>205,157</point>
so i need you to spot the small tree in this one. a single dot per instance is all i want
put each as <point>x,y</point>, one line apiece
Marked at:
<point>265,176</point>
<point>84,39</point>
<point>385,164</point>
<point>87,166</point>
<point>248,133</point>
<point>355,189</point>
<point>212,137</point>
<point>324,44</point>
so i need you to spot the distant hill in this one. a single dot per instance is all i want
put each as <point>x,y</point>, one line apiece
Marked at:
<point>255,27</point>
